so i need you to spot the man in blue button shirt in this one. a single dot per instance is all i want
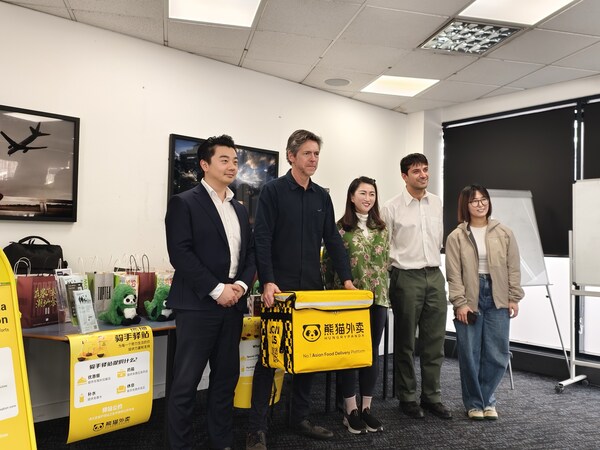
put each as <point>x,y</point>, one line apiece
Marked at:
<point>293,217</point>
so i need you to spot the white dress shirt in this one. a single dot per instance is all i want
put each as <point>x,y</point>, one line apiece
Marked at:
<point>232,231</point>
<point>416,230</point>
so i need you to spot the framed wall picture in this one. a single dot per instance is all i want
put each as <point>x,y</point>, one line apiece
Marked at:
<point>38,165</point>
<point>256,167</point>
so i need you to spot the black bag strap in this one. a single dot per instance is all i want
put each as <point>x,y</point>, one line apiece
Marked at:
<point>33,238</point>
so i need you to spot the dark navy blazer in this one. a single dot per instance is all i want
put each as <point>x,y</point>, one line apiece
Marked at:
<point>199,252</point>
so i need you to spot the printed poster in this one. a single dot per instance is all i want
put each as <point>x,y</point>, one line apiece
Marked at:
<point>111,381</point>
<point>16,417</point>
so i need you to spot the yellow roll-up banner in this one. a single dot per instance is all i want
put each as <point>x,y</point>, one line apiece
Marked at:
<point>16,417</point>
<point>111,381</point>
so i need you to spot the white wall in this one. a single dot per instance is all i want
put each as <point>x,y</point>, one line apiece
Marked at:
<point>131,94</point>
<point>536,324</point>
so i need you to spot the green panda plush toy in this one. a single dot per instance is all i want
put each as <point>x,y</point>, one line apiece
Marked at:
<point>122,309</point>
<point>157,308</point>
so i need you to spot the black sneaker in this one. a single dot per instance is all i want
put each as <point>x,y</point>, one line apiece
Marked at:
<point>256,441</point>
<point>373,425</point>
<point>411,409</point>
<point>354,423</point>
<point>437,409</point>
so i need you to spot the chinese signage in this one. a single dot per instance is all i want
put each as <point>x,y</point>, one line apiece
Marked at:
<point>111,381</point>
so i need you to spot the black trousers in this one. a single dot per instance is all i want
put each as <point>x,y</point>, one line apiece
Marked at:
<point>261,397</point>
<point>367,376</point>
<point>205,336</point>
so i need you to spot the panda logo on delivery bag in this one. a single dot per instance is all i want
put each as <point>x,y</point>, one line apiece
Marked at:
<point>311,332</point>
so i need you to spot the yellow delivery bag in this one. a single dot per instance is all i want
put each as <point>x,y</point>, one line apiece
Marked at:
<point>314,331</point>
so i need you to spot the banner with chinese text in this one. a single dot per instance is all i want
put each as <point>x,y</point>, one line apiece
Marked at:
<point>111,381</point>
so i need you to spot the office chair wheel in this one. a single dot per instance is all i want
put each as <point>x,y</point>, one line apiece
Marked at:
<point>559,389</point>
<point>585,382</point>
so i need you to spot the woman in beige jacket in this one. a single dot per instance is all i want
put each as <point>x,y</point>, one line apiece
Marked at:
<point>484,280</point>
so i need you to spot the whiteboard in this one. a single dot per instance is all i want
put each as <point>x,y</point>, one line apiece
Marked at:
<point>515,210</point>
<point>586,232</point>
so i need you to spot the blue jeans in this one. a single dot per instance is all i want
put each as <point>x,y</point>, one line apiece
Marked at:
<point>483,350</point>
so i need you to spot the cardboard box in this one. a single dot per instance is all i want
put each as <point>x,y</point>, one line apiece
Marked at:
<point>314,331</point>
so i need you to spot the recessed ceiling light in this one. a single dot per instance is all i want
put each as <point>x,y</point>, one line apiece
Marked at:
<point>406,87</point>
<point>337,82</point>
<point>224,12</point>
<point>513,11</point>
<point>468,37</point>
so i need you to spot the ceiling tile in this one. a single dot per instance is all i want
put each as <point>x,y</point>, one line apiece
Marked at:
<point>34,4</point>
<point>361,58</point>
<point>588,58</point>
<point>421,104</point>
<point>289,71</point>
<point>455,91</point>
<point>429,64</point>
<point>390,28</point>
<point>445,7</point>
<point>309,41</point>
<point>283,47</point>
<point>550,75</point>
<point>134,8</point>
<point>139,27</point>
<point>192,37</point>
<point>385,101</point>
<point>542,46</point>
<point>580,18</point>
<point>318,18</point>
<point>502,91</point>
<point>319,74</point>
<point>60,11</point>
<point>494,71</point>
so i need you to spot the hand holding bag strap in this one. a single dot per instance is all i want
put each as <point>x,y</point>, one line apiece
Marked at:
<point>33,238</point>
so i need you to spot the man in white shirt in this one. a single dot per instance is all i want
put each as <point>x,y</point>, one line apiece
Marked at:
<point>210,246</point>
<point>417,288</point>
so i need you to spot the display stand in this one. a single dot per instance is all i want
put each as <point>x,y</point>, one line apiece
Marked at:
<point>584,248</point>
<point>515,210</point>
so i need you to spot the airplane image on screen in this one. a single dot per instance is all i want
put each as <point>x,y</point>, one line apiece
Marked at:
<point>24,144</point>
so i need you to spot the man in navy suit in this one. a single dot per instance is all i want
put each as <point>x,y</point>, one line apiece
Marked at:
<point>210,247</point>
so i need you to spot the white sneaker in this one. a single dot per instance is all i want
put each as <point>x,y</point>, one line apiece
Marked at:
<point>475,414</point>
<point>490,413</point>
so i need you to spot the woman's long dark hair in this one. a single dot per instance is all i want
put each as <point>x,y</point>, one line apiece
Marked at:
<point>349,221</point>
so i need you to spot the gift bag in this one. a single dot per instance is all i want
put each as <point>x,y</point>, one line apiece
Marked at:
<point>146,284</point>
<point>164,278</point>
<point>38,299</point>
<point>101,286</point>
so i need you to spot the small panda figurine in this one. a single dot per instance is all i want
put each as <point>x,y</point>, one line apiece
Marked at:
<point>122,309</point>
<point>157,308</point>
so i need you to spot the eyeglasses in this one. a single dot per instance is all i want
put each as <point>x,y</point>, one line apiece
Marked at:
<point>479,201</point>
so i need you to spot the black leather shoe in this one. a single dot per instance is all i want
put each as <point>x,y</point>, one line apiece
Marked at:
<point>437,409</point>
<point>411,409</point>
<point>306,428</point>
